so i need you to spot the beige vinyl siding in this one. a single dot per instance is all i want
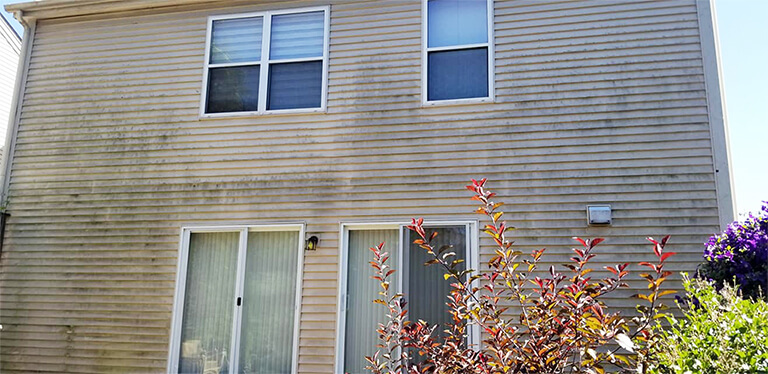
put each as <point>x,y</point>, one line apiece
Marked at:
<point>596,102</point>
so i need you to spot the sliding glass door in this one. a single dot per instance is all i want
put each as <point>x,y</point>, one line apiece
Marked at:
<point>236,302</point>
<point>425,288</point>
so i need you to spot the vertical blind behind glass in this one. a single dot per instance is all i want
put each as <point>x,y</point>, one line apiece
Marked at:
<point>428,290</point>
<point>269,302</point>
<point>363,316</point>
<point>209,299</point>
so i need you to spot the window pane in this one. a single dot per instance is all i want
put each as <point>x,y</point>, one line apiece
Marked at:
<point>457,22</point>
<point>297,35</point>
<point>233,89</point>
<point>427,288</point>
<point>209,299</point>
<point>295,85</point>
<point>269,302</point>
<point>363,315</point>
<point>458,74</point>
<point>236,40</point>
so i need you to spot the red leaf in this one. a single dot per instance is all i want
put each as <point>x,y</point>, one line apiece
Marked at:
<point>580,240</point>
<point>665,240</point>
<point>595,242</point>
<point>623,266</point>
<point>667,255</point>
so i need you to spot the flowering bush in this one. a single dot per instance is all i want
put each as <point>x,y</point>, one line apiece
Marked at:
<point>718,333</point>
<point>533,321</point>
<point>740,255</point>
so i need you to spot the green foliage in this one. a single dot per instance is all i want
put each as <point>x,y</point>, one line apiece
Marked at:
<point>719,333</point>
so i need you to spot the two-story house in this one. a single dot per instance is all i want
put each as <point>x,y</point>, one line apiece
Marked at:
<point>193,185</point>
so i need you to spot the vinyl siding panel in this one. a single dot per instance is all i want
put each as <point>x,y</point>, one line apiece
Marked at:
<point>596,102</point>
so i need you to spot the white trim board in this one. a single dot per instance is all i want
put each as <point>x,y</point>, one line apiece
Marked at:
<point>718,123</point>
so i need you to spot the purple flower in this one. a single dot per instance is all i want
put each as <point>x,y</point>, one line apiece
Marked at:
<point>739,255</point>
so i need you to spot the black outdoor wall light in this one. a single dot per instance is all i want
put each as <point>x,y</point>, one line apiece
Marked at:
<point>311,244</point>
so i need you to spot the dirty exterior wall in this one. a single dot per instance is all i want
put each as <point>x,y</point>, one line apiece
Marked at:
<point>596,102</point>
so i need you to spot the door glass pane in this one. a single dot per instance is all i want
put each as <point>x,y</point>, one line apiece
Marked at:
<point>236,40</point>
<point>269,302</point>
<point>457,22</point>
<point>297,35</point>
<point>295,85</point>
<point>209,299</point>
<point>363,316</point>
<point>233,89</point>
<point>427,288</point>
<point>460,74</point>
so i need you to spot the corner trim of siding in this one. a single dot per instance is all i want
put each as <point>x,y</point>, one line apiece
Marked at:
<point>718,124</point>
<point>16,103</point>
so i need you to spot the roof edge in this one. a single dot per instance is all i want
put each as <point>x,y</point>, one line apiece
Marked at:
<point>15,38</point>
<point>44,9</point>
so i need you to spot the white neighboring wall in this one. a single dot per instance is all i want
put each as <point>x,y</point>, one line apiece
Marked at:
<point>10,48</point>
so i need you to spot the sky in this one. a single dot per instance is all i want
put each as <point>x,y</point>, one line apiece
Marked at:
<point>16,26</point>
<point>743,30</point>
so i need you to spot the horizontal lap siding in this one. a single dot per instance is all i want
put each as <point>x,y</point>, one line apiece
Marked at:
<point>596,102</point>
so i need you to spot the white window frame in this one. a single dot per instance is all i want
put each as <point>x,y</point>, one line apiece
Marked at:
<point>472,256</point>
<point>181,279</point>
<point>425,49</point>
<point>265,62</point>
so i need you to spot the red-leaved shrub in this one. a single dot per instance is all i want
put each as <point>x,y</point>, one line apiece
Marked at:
<point>532,321</point>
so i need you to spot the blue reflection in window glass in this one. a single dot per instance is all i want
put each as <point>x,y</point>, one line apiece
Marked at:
<point>295,85</point>
<point>458,74</point>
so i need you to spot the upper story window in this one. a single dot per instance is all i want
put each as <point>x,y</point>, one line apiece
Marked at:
<point>458,51</point>
<point>264,62</point>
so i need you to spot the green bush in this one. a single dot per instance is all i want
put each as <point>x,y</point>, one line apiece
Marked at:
<point>719,333</point>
